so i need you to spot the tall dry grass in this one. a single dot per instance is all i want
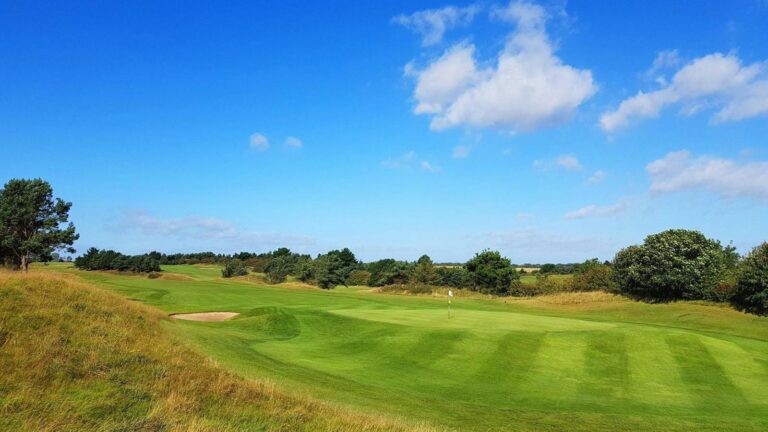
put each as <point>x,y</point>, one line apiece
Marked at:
<point>74,357</point>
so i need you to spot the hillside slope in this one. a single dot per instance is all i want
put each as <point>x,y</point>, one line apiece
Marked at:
<point>75,357</point>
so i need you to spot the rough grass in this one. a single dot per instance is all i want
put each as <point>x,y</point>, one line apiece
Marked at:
<point>76,358</point>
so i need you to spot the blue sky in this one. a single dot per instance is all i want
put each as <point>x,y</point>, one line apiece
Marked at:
<point>550,131</point>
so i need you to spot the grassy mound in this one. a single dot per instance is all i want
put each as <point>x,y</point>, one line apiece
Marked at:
<point>75,357</point>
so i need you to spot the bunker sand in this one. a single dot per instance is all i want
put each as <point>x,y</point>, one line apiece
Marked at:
<point>205,316</point>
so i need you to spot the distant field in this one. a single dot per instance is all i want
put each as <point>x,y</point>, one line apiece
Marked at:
<point>531,365</point>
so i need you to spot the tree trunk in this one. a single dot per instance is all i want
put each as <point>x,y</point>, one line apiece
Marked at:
<point>25,263</point>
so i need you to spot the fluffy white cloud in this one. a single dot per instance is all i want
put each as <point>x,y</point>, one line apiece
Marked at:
<point>679,171</point>
<point>566,162</point>
<point>597,177</point>
<point>293,142</point>
<point>527,88</point>
<point>196,228</point>
<point>595,210</point>
<point>432,24</point>
<point>259,142</point>
<point>714,82</point>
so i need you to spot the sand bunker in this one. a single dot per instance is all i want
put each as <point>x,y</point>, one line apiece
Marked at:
<point>205,316</point>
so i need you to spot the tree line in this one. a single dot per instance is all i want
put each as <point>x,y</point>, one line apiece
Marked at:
<point>672,265</point>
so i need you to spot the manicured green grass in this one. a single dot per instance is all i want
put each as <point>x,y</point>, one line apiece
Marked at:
<point>494,365</point>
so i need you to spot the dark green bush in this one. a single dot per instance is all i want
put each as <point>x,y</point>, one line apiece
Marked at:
<point>233,268</point>
<point>389,272</point>
<point>456,277</point>
<point>491,273</point>
<point>95,259</point>
<point>751,293</point>
<point>279,268</point>
<point>672,265</point>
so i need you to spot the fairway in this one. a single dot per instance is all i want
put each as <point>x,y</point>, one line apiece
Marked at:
<point>494,365</point>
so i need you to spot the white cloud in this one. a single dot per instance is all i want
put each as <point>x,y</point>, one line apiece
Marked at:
<point>432,24</point>
<point>293,142</point>
<point>664,60</point>
<point>259,142</point>
<point>533,245</point>
<point>679,171</point>
<point>428,167</point>
<point>716,82</point>
<point>526,88</point>
<point>196,228</point>
<point>566,162</point>
<point>595,211</point>
<point>597,177</point>
<point>399,162</point>
<point>461,152</point>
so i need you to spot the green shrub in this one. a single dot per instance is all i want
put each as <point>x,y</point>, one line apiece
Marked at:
<point>456,277</point>
<point>491,273</point>
<point>671,265</point>
<point>305,270</point>
<point>545,284</point>
<point>233,268</point>
<point>279,268</point>
<point>594,277</point>
<point>359,277</point>
<point>408,288</point>
<point>424,271</point>
<point>751,293</point>
<point>389,272</point>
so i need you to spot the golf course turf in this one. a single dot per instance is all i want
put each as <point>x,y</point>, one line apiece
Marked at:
<point>609,364</point>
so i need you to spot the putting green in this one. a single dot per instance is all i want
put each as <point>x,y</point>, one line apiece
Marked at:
<point>491,366</point>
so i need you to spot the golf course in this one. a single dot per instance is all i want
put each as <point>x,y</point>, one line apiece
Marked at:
<point>572,361</point>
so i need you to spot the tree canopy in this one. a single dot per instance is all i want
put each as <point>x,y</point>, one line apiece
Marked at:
<point>491,273</point>
<point>752,282</point>
<point>31,222</point>
<point>671,265</point>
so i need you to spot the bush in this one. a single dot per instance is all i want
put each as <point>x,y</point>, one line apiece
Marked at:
<point>456,277</point>
<point>490,273</point>
<point>671,265</point>
<point>359,277</point>
<point>279,268</point>
<point>424,271</point>
<point>593,276</point>
<point>333,268</point>
<point>95,259</point>
<point>305,270</point>
<point>408,289</point>
<point>545,284</point>
<point>751,294</point>
<point>233,268</point>
<point>389,272</point>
